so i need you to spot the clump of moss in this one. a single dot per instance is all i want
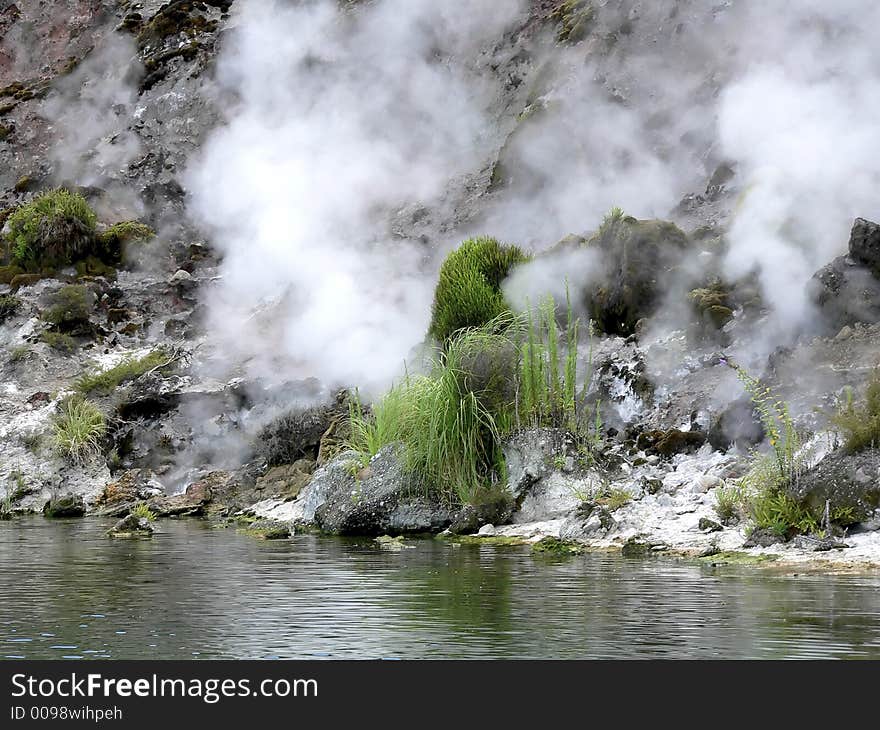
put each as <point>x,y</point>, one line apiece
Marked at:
<point>78,429</point>
<point>575,17</point>
<point>860,422</point>
<point>59,341</point>
<point>555,546</point>
<point>637,258</point>
<point>70,309</point>
<point>8,306</point>
<point>468,293</point>
<point>112,241</point>
<point>106,382</point>
<point>54,229</point>
<point>712,304</point>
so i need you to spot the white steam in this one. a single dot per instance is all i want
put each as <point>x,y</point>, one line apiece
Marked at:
<point>343,119</point>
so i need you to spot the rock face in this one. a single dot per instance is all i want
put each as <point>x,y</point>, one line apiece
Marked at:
<point>849,482</point>
<point>298,433</point>
<point>848,289</point>
<point>380,499</point>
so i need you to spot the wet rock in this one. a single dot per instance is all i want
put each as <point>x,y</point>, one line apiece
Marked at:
<point>194,501</point>
<point>71,505</point>
<point>635,548</point>
<point>287,480</point>
<point>494,509</point>
<point>670,442</point>
<point>268,530</point>
<point>707,525</point>
<point>131,526</point>
<point>385,501</point>
<point>133,486</point>
<point>850,483</point>
<point>555,546</point>
<point>818,544</point>
<point>762,537</point>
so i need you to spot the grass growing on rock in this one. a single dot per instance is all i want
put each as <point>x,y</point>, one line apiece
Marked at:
<point>106,382</point>
<point>70,308</point>
<point>141,510</point>
<point>113,240</point>
<point>8,306</point>
<point>468,292</point>
<point>509,373</point>
<point>78,429</point>
<point>54,229</point>
<point>859,422</point>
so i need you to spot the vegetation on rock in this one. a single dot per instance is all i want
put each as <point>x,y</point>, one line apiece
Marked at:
<point>859,422</point>
<point>70,309</point>
<point>468,292</point>
<point>54,229</point>
<point>78,429</point>
<point>104,383</point>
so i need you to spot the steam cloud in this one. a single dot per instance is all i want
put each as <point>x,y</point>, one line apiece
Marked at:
<point>347,119</point>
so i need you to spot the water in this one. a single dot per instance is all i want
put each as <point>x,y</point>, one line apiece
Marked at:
<point>66,590</point>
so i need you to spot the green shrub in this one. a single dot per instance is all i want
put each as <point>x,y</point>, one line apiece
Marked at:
<point>468,292</point>
<point>764,487</point>
<point>728,503</point>
<point>70,308</point>
<point>78,429</point>
<point>860,422</point>
<point>107,381</point>
<point>575,18</point>
<point>54,229</point>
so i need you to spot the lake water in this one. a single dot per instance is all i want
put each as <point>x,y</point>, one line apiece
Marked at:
<point>66,590</point>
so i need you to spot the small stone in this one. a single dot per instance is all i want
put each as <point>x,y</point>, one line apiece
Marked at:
<point>707,525</point>
<point>180,277</point>
<point>845,333</point>
<point>487,530</point>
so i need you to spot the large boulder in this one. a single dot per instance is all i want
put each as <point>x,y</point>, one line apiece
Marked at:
<point>70,505</point>
<point>638,258</point>
<point>379,499</point>
<point>848,289</point>
<point>850,483</point>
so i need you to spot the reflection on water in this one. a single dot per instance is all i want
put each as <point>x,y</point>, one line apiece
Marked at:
<point>192,591</point>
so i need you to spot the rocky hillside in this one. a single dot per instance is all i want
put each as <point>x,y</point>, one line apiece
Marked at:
<point>161,345</point>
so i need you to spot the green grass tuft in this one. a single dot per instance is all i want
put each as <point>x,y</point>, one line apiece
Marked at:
<point>70,308</point>
<point>54,229</point>
<point>78,429</point>
<point>141,510</point>
<point>859,423</point>
<point>468,292</point>
<point>106,382</point>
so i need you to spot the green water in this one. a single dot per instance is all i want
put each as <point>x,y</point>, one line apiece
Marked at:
<point>192,591</point>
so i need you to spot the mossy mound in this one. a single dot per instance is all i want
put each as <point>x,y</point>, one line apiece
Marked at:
<point>468,292</point>
<point>637,255</point>
<point>113,240</point>
<point>712,304</point>
<point>70,309</point>
<point>53,230</point>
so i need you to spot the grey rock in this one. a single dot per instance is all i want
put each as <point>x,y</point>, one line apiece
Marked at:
<point>71,505</point>
<point>762,537</point>
<point>381,499</point>
<point>848,482</point>
<point>131,526</point>
<point>864,244</point>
